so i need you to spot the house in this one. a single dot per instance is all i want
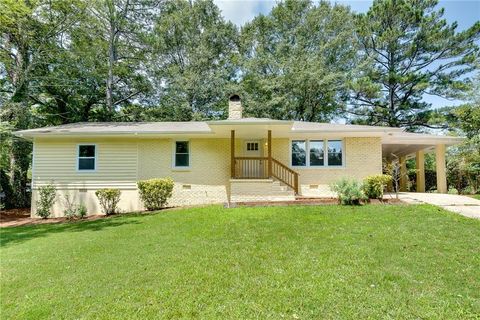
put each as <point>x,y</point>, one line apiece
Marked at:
<point>238,159</point>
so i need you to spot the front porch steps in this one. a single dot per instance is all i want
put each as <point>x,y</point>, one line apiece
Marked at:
<point>259,190</point>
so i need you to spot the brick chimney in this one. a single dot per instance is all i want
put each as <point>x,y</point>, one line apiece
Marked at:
<point>234,108</point>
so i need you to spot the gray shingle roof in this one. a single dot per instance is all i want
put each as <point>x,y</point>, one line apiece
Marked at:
<point>122,128</point>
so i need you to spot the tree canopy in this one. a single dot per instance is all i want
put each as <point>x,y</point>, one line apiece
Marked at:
<point>296,61</point>
<point>408,51</point>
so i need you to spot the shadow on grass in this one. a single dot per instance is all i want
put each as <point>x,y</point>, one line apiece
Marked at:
<point>15,235</point>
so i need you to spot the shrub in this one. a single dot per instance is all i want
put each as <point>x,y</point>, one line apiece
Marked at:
<point>72,210</point>
<point>155,192</point>
<point>108,199</point>
<point>374,185</point>
<point>348,191</point>
<point>82,211</point>
<point>46,200</point>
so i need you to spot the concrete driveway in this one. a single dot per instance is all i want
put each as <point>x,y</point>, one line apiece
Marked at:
<point>466,206</point>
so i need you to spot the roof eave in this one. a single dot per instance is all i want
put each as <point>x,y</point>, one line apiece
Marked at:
<point>240,122</point>
<point>32,135</point>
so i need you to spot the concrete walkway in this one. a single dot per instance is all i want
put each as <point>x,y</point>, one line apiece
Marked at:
<point>466,206</point>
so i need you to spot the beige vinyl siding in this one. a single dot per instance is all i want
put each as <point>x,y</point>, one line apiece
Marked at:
<point>55,160</point>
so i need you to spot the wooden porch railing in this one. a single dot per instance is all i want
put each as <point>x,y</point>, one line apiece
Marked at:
<point>260,167</point>
<point>251,168</point>
<point>285,174</point>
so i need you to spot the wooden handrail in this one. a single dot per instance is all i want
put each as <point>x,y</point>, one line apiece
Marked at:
<point>282,165</point>
<point>248,168</point>
<point>251,158</point>
<point>279,171</point>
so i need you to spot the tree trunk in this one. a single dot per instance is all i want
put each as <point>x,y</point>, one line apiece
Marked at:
<point>111,62</point>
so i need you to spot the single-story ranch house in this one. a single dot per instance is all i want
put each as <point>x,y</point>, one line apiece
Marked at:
<point>238,159</point>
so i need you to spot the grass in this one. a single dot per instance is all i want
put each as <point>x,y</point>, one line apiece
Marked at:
<point>331,262</point>
<point>476,196</point>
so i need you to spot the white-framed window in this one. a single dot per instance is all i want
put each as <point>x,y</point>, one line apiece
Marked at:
<point>181,157</point>
<point>317,153</point>
<point>252,146</point>
<point>335,152</point>
<point>87,157</point>
<point>299,153</point>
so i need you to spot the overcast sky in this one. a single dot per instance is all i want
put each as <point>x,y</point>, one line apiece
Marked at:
<point>464,12</point>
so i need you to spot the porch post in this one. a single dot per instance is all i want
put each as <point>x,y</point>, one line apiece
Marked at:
<point>269,147</point>
<point>420,167</point>
<point>232,153</point>
<point>403,173</point>
<point>441,170</point>
<point>390,187</point>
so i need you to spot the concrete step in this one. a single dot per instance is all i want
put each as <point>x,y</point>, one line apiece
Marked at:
<point>279,188</point>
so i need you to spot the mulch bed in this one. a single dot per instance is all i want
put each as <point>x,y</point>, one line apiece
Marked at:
<point>21,217</point>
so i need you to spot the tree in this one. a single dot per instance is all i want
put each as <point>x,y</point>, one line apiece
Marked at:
<point>26,28</point>
<point>409,51</point>
<point>463,162</point>
<point>70,85</point>
<point>296,61</point>
<point>194,55</point>
<point>122,25</point>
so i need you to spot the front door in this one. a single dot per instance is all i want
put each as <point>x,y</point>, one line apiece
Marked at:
<point>253,168</point>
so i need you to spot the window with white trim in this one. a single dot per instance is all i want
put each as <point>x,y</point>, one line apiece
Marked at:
<point>317,153</point>
<point>299,153</point>
<point>252,146</point>
<point>182,154</point>
<point>335,150</point>
<point>321,153</point>
<point>86,157</point>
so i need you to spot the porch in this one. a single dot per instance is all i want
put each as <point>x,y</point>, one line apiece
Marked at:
<point>257,163</point>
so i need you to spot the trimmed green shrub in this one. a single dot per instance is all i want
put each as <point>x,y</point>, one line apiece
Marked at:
<point>374,185</point>
<point>108,199</point>
<point>82,211</point>
<point>349,191</point>
<point>46,195</point>
<point>155,192</point>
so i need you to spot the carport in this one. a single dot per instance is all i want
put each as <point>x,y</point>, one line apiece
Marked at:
<point>400,146</point>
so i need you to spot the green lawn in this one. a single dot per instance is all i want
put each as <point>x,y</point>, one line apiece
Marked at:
<point>476,196</point>
<point>328,262</point>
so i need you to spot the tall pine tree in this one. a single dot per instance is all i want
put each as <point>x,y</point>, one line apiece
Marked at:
<point>408,51</point>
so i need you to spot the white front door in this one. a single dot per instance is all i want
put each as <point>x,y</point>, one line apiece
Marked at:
<point>253,168</point>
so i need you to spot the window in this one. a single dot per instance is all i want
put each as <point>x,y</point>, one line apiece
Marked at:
<point>334,152</point>
<point>321,153</point>
<point>86,157</point>
<point>299,153</point>
<point>252,146</point>
<point>317,153</point>
<point>182,154</point>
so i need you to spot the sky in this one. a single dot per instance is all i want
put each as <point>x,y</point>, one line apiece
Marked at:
<point>464,12</point>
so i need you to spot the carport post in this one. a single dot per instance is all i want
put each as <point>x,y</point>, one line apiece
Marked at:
<point>403,173</point>
<point>420,167</point>
<point>441,170</point>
